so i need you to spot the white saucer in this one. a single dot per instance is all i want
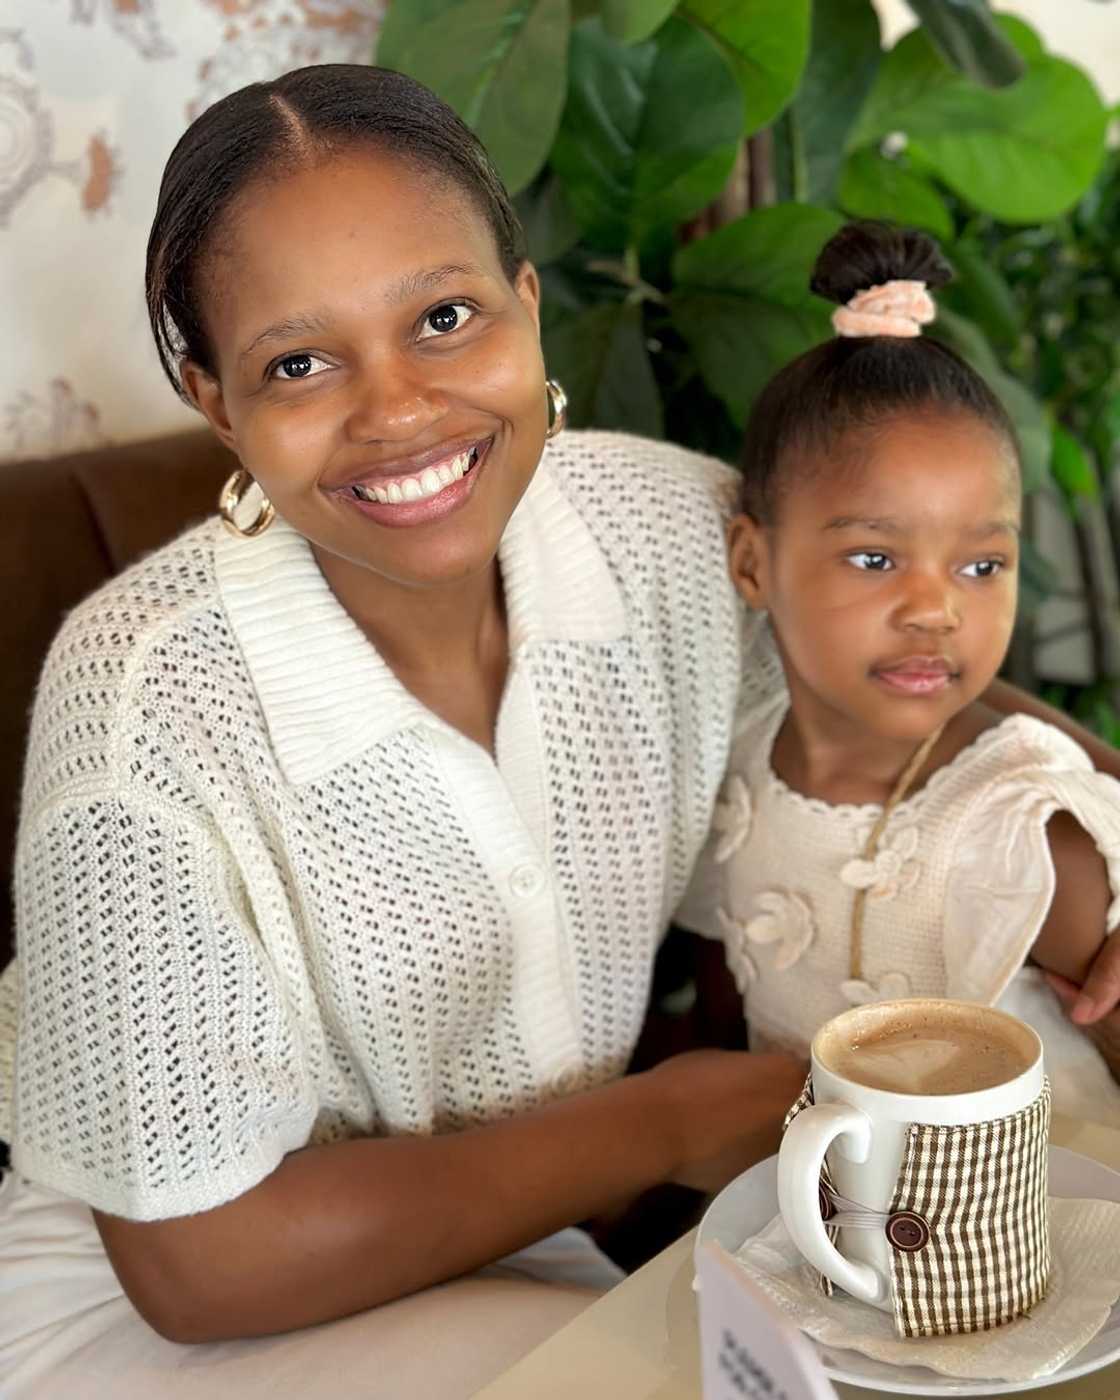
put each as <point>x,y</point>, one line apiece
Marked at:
<point>748,1204</point>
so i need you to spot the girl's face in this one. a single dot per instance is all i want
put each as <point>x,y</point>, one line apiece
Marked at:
<point>891,584</point>
<point>377,373</point>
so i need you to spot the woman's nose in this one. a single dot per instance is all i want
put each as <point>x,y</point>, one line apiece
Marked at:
<point>929,605</point>
<point>392,400</point>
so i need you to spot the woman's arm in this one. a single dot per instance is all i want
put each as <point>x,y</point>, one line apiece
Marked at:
<point>340,1228</point>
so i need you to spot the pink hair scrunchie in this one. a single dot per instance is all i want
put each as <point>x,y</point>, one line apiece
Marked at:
<point>896,308</point>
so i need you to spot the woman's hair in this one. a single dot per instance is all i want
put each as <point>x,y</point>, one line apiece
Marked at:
<point>854,384</point>
<point>267,130</point>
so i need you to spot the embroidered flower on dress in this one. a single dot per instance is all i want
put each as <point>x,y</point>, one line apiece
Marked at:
<point>739,960</point>
<point>732,819</point>
<point>892,985</point>
<point>893,870</point>
<point>785,920</point>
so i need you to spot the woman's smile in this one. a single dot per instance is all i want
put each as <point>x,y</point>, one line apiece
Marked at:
<point>419,491</point>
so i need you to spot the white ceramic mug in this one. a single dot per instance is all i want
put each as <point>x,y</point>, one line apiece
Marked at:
<point>863,1133</point>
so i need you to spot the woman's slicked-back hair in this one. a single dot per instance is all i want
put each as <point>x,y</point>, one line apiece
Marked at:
<point>267,129</point>
<point>849,385</point>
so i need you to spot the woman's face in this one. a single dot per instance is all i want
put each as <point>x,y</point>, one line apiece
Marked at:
<point>377,373</point>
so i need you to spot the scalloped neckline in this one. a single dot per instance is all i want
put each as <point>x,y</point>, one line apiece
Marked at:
<point>855,811</point>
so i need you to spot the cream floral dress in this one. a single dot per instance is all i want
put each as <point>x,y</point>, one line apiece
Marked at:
<point>956,894</point>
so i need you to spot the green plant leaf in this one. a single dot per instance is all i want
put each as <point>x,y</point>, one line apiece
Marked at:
<point>767,44</point>
<point>873,187</point>
<point>1038,578</point>
<point>511,91</point>
<point>1023,153</point>
<point>636,148</point>
<point>1024,410</point>
<point>549,225</point>
<point>844,57</point>
<point>600,357</point>
<point>967,37</point>
<point>742,299</point>
<point>635,20</point>
<point>980,292</point>
<point>1072,467</point>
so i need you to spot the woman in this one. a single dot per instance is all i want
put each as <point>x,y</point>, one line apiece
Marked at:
<point>349,836</point>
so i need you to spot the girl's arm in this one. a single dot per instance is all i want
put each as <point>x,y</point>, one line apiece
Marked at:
<point>339,1228</point>
<point>1074,931</point>
<point>1090,993</point>
<point>1073,935</point>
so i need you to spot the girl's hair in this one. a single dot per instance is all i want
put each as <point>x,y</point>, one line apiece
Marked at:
<point>267,130</point>
<point>854,384</point>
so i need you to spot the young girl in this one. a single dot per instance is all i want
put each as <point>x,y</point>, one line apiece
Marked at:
<point>883,832</point>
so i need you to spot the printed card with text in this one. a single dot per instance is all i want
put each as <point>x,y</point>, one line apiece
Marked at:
<point>748,1350</point>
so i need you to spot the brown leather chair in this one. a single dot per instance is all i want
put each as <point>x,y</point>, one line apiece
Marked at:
<point>66,525</point>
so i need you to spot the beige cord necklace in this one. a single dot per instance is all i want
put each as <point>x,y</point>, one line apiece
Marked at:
<point>901,788</point>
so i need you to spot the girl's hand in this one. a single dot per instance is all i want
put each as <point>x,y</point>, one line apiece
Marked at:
<point>1102,1026</point>
<point>723,1110</point>
<point>1099,995</point>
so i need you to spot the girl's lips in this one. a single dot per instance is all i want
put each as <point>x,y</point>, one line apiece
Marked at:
<point>431,507</point>
<point>917,676</point>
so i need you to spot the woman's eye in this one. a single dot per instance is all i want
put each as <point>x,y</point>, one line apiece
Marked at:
<point>871,561</point>
<point>443,319</point>
<point>299,366</point>
<point>983,568</point>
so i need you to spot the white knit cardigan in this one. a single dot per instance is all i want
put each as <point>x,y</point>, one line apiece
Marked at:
<point>265,897</point>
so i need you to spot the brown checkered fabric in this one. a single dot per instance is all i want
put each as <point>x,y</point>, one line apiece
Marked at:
<point>981,1189</point>
<point>987,1258</point>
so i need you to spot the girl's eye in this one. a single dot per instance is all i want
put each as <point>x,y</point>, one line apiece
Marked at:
<point>871,561</point>
<point>443,319</point>
<point>983,568</point>
<point>299,366</point>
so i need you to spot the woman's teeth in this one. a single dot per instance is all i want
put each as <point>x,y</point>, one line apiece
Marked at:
<point>430,482</point>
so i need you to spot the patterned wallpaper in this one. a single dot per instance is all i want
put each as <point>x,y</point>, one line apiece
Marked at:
<point>93,95</point>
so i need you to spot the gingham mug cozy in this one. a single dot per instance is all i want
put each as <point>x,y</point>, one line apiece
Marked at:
<point>918,1192</point>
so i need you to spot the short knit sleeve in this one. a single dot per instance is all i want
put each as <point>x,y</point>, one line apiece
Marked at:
<point>158,1068</point>
<point>1001,877</point>
<point>157,1072</point>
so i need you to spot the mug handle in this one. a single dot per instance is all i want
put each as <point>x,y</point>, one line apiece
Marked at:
<point>800,1159</point>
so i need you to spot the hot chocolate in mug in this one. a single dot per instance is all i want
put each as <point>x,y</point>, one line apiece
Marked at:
<point>912,1173</point>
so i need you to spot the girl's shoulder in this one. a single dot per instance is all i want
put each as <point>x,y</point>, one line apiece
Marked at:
<point>1014,753</point>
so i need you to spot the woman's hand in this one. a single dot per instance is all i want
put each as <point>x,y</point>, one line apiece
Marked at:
<point>724,1110</point>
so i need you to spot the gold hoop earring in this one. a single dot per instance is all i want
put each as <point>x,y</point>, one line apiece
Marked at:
<point>232,494</point>
<point>558,403</point>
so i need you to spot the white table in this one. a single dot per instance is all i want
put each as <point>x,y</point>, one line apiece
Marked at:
<point>639,1342</point>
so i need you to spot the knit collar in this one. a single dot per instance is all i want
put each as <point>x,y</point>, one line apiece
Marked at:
<point>326,693</point>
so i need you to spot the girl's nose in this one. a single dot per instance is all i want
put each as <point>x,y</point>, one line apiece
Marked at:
<point>392,401</point>
<point>930,605</point>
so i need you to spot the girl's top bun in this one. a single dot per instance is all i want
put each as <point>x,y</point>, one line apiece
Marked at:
<point>868,254</point>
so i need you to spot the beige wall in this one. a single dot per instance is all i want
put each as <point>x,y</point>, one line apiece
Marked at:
<point>1086,31</point>
<point>93,95</point>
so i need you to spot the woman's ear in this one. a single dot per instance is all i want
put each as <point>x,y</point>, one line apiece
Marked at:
<point>748,556</point>
<point>205,392</point>
<point>527,285</point>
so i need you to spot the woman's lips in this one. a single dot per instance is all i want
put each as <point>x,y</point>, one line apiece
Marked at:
<point>917,675</point>
<point>419,497</point>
